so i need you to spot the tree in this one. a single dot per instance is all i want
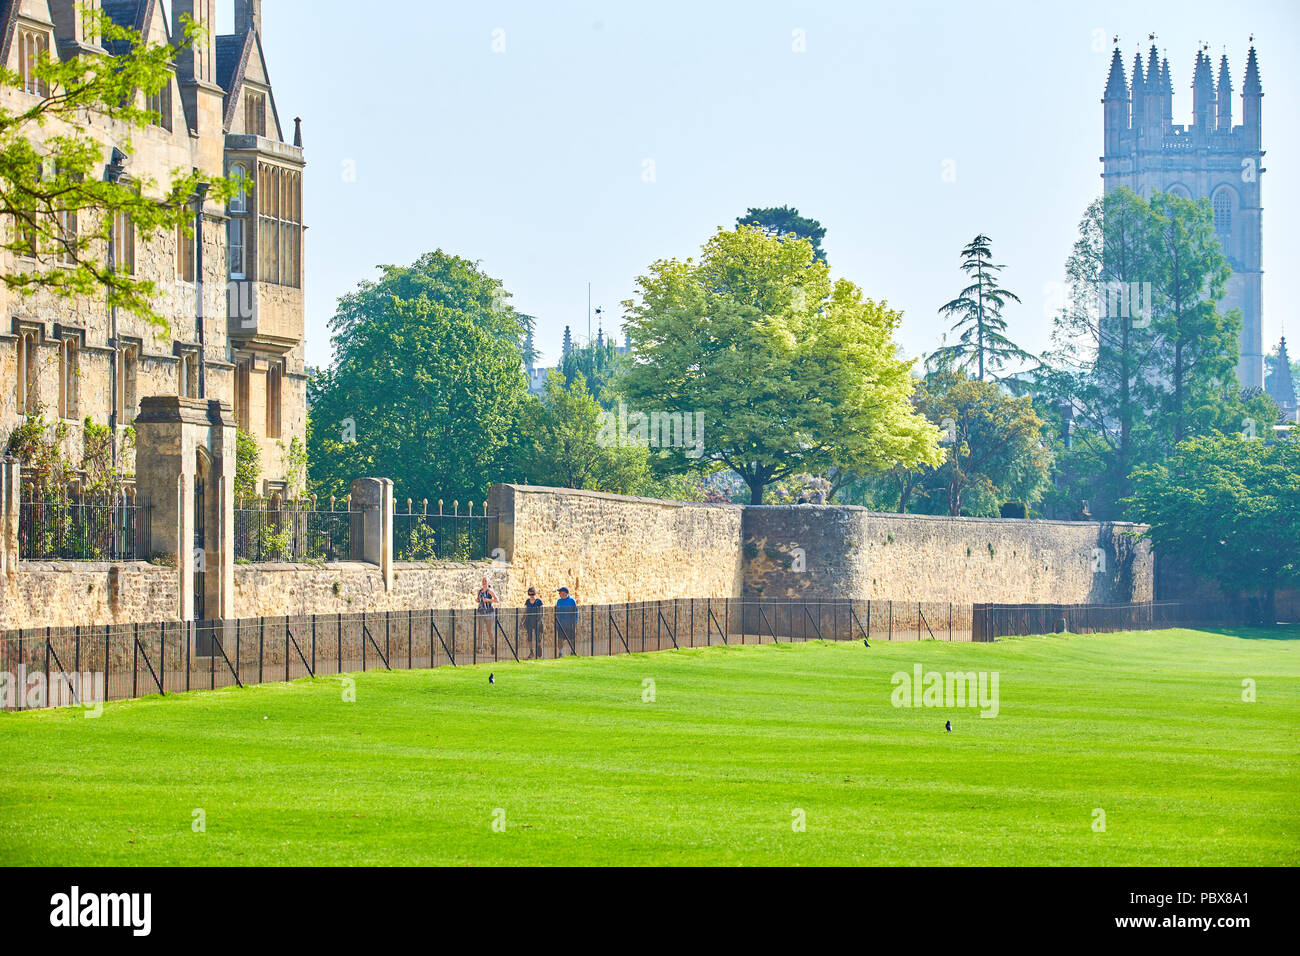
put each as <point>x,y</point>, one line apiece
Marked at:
<point>1140,358</point>
<point>455,283</point>
<point>560,443</point>
<point>790,372</point>
<point>595,363</point>
<point>1229,508</point>
<point>59,185</point>
<point>994,449</point>
<point>981,331</point>
<point>424,391</point>
<point>780,221</point>
<point>1197,347</point>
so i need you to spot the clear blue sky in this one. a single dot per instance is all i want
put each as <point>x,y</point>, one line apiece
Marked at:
<point>531,160</point>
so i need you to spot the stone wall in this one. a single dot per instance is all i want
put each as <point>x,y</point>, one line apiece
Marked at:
<point>72,593</point>
<point>612,548</point>
<point>350,587</point>
<point>67,594</point>
<point>807,551</point>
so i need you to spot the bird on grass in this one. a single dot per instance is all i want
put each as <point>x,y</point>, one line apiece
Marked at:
<point>948,726</point>
<point>492,678</point>
<point>865,643</point>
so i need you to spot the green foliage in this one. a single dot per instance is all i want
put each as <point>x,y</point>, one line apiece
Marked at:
<point>277,542</point>
<point>560,443</point>
<point>792,373</point>
<point>38,444</point>
<point>783,221</point>
<point>1145,372</point>
<point>597,364</point>
<point>982,343</point>
<point>248,464</point>
<point>1229,509</point>
<point>423,390</point>
<point>993,446</point>
<point>46,177</point>
<point>295,463</point>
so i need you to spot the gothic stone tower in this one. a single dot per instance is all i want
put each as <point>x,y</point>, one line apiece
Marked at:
<point>1210,159</point>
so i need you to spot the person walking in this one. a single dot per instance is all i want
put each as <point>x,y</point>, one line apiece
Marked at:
<point>566,620</point>
<point>533,622</point>
<point>485,615</point>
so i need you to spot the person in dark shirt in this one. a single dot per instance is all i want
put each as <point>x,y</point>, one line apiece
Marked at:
<point>485,615</point>
<point>533,622</point>
<point>566,619</point>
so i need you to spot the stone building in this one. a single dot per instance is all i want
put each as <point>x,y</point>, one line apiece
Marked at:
<point>218,115</point>
<point>1211,158</point>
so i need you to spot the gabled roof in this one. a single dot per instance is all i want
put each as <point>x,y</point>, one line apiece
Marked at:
<point>235,53</point>
<point>9,10</point>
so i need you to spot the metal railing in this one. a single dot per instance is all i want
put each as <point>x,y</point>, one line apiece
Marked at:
<point>295,531</point>
<point>441,536</point>
<point>58,666</point>
<point>992,621</point>
<point>83,529</point>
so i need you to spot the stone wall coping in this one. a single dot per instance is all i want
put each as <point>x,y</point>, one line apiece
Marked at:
<point>946,519</point>
<point>606,496</point>
<point>304,566</point>
<point>94,567</point>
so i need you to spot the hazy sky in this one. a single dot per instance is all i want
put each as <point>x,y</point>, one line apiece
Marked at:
<point>534,160</point>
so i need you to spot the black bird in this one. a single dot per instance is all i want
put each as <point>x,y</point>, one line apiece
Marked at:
<point>492,679</point>
<point>864,643</point>
<point>948,726</point>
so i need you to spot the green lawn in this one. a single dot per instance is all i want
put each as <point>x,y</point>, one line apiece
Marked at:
<point>1149,727</point>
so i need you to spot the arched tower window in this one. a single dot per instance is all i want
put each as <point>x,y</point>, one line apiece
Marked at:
<point>1223,213</point>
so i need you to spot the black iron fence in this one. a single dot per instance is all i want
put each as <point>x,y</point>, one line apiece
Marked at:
<point>420,536</point>
<point>61,666</point>
<point>992,621</point>
<point>300,531</point>
<point>83,529</point>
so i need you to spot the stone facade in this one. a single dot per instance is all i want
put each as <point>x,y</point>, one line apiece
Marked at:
<point>612,548</point>
<point>812,551</point>
<point>252,343</point>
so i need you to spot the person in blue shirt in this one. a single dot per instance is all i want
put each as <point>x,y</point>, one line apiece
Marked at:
<point>566,620</point>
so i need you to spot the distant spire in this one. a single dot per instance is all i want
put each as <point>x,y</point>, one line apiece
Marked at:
<point>1252,86</point>
<point>1139,82</point>
<point>1116,86</point>
<point>1153,65</point>
<point>1139,90</point>
<point>1166,95</point>
<point>1224,94</point>
<point>1280,386</point>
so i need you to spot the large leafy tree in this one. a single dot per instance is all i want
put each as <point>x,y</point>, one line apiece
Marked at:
<point>455,283</point>
<point>1141,356</point>
<point>792,373</point>
<point>60,189</point>
<point>993,451</point>
<point>1197,346</point>
<point>982,343</point>
<point>1227,508</point>
<point>778,221</point>
<point>560,442</point>
<point>424,391</point>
